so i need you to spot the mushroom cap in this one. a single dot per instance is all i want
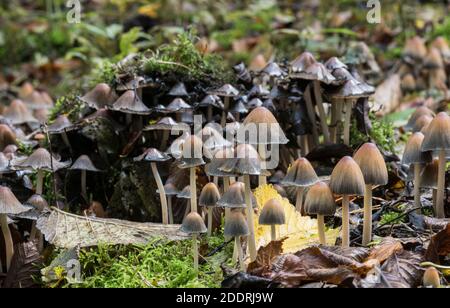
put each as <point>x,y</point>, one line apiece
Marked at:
<point>306,67</point>
<point>421,123</point>
<point>4,163</point>
<point>273,70</point>
<point>38,100</point>
<point>171,189</point>
<point>10,149</point>
<point>239,107</point>
<point>236,225</point>
<point>193,224</point>
<point>211,100</point>
<point>372,164</point>
<point>254,103</point>
<point>429,176</point>
<point>166,123</point>
<point>434,59</point>
<point>7,136</point>
<point>234,197</point>
<point>178,89</point>
<point>185,193</point>
<point>191,152</point>
<point>225,91</point>
<point>259,91</point>
<point>178,105</point>
<point>38,202</point>
<point>417,114</point>
<point>246,161</point>
<point>413,151</point>
<point>220,157</point>
<point>209,195</point>
<point>130,102</point>
<point>408,83</point>
<point>437,135</point>
<point>213,139</point>
<point>300,174</point>
<point>431,278</point>
<point>18,113</point>
<point>99,97</point>
<point>272,213</point>
<point>152,155</point>
<point>320,201</point>
<point>84,163</point>
<point>334,63</point>
<point>41,160</point>
<point>351,89</point>
<point>347,178</point>
<point>134,83</point>
<point>60,125</point>
<point>9,203</point>
<point>415,48</point>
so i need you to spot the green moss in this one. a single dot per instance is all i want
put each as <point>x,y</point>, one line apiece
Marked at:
<point>68,105</point>
<point>392,218</point>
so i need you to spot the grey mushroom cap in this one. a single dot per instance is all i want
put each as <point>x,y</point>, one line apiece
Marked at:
<point>272,213</point>
<point>413,151</point>
<point>9,203</point>
<point>60,125</point>
<point>347,178</point>
<point>178,105</point>
<point>18,113</point>
<point>211,100</point>
<point>351,89</point>
<point>178,90</point>
<point>225,91</point>
<point>40,160</point>
<point>300,174</point>
<point>429,176</point>
<point>239,107</point>
<point>259,91</point>
<point>417,114</point>
<point>209,195</point>
<point>306,67</point>
<point>236,225</point>
<point>171,189</point>
<point>234,197</point>
<point>193,224</point>
<point>437,135</point>
<point>152,155</point>
<point>191,153</point>
<point>320,201</point>
<point>334,63</point>
<point>220,157</point>
<point>273,69</point>
<point>254,103</point>
<point>166,123</point>
<point>133,84</point>
<point>131,103</point>
<point>36,205</point>
<point>4,163</point>
<point>185,193</point>
<point>368,89</point>
<point>84,163</point>
<point>246,161</point>
<point>99,97</point>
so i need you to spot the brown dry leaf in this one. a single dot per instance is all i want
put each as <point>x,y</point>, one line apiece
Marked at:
<point>385,250</point>
<point>439,246</point>
<point>265,257</point>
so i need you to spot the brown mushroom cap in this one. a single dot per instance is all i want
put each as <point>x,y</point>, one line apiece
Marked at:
<point>234,197</point>
<point>7,136</point>
<point>431,278</point>
<point>347,178</point>
<point>193,224</point>
<point>209,195</point>
<point>236,225</point>
<point>130,102</point>
<point>413,151</point>
<point>415,48</point>
<point>41,160</point>
<point>417,114</point>
<point>320,201</point>
<point>84,163</point>
<point>9,203</point>
<point>422,123</point>
<point>408,83</point>
<point>300,174</point>
<point>429,176</point>
<point>434,59</point>
<point>18,113</point>
<point>60,125</point>
<point>100,97</point>
<point>272,213</point>
<point>437,135</point>
<point>372,164</point>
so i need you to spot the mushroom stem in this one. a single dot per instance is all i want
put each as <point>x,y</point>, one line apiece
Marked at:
<point>323,115</point>
<point>434,199</point>
<point>240,254</point>
<point>128,118</point>
<point>83,185</point>
<point>347,121</point>
<point>321,229</point>
<point>210,218</point>
<point>334,122</point>
<point>226,106</point>
<point>162,193</point>
<point>169,209</point>
<point>250,222</point>
<point>40,182</point>
<point>440,212</point>
<point>273,233</point>
<point>367,227</point>
<point>299,201</point>
<point>210,113</point>
<point>417,172</point>
<point>188,208</point>
<point>311,115</point>
<point>165,139</point>
<point>345,221</point>
<point>9,246</point>
<point>195,251</point>
<point>66,140</point>
<point>262,180</point>
<point>193,183</point>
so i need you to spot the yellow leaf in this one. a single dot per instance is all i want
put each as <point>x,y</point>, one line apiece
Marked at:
<point>150,10</point>
<point>300,231</point>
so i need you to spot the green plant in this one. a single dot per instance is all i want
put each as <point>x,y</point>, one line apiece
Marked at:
<point>392,218</point>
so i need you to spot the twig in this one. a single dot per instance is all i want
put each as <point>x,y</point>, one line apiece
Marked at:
<point>219,248</point>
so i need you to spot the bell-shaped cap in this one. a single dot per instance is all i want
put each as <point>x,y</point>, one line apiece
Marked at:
<point>246,161</point>
<point>18,113</point>
<point>259,91</point>
<point>211,100</point>
<point>38,100</point>
<point>415,49</point>
<point>431,278</point>
<point>235,225</point>
<point>417,114</point>
<point>347,178</point>
<point>84,163</point>
<point>193,224</point>
<point>306,67</point>
<point>254,103</point>
<point>320,201</point>
<point>272,213</point>
<point>137,82</point>
<point>437,135</point>
<point>171,189</point>
<point>209,195</point>
<point>334,63</point>
<point>36,205</point>
<point>152,155</point>
<point>9,203</point>
<point>100,97</point>
<point>185,193</point>
<point>167,123</point>
<point>239,107</point>
<point>131,103</point>
<point>273,70</point>
<point>191,152</point>
<point>178,90</point>
<point>213,139</point>
<point>234,197</point>
<point>178,105</point>
<point>41,160</point>
<point>422,123</point>
<point>429,176</point>
<point>225,91</point>
<point>60,125</point>
<point>351,89</point>
<point>7,136</point>
<point>372,164</point>
<point>434,59</point>
<point>220,158</point>
<point>300,174</point>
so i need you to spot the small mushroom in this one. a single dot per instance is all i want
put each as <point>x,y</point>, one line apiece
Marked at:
<point>171,191</point>
<point>347,179</point>
<point>210,102</point>
<point>18,113</point>
<point>416,115</point>
<point>38,205</point>
<point>374,170</point>
<point>100,97</point>
<point>220,158</point>
<point>84,164</point>
<point>320,201</point>
<point>193,225</point>
<point>7,136</point>
<point>130,103</point>
<point>166,125</point>
<point>272,215</point>
<point>8,205</point>
<point>431,278</point>
<point>429,178</point>
<point>178,90</point>
<point>227,92</point>
<point>437,138</point>
<point>236,226</point>
<point>179,107</point>
<point>62,125</point>
<point>209,197</point>
<point>415,50</point>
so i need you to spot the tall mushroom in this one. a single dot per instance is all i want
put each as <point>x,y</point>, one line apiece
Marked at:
<point>346,179</point>
<point>236,226</point>
<point>374,170</point>
<point>84,164</point>
<point>154,156</point>
<point>209,197</point>
<point>272,215</point>
<point>179,107</point>
<point>131,104</point>
<point>429,178</point>
<point>227,92</point>
<point>166,125</point>
<point>8,205</point>
<point>193,225</point>
<point>171,190</point>
<point>437,138</point>
<point>7,136</point>
<point>300,175</point>
<point>210,102</point>
<point>62,125</point>
<point>421,111</point>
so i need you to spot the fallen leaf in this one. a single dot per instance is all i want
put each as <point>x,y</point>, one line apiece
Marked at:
<point>439,246</point>
<point>265,257</point>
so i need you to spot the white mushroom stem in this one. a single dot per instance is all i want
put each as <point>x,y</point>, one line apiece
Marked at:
<point>226,185</point>
<point>299,201</point>
<point>367,227</point>
<point>345,221</point>
<point>417,172</point>
<point>195,251</point>
<point>262,180</point>
<point>434,198</point>
<point>40,182</point>
<point>322,113</point>
<point>226,106</point>
<point>210,219</point>
<point>9,246</point>
<point>83,185</point>
<point>251,227</point>
<point>193,183</point>
<point>311,115</point>
<point>273,233</point>
<point>440,212</point>
<point>238,246</point>
<point>162,193</point>
<point>321,229</point>
<point>188,208</point>
<point>347,121</point>
<point>169,209</point>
